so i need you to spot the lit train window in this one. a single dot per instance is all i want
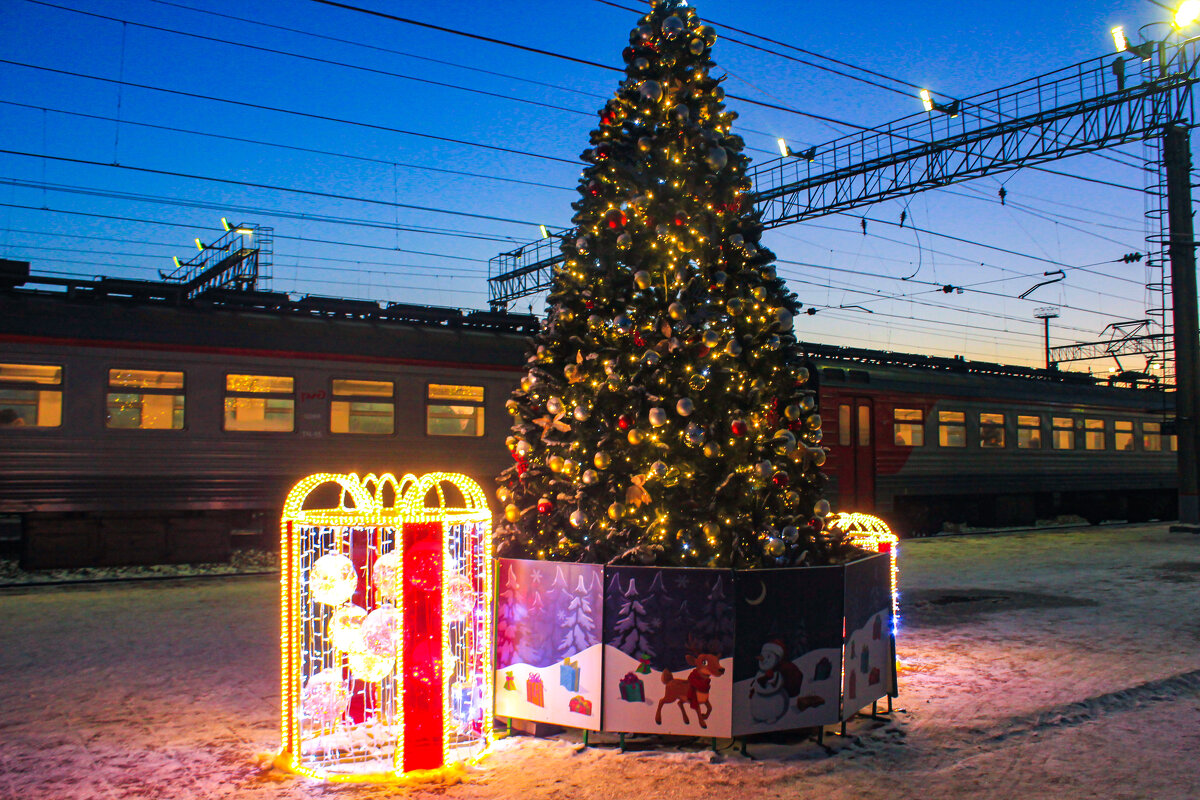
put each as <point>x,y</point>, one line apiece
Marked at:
<point>1093,434</point>
<point>1063,433</point>
<point>952,429</point>
<point>1029,432</point>
<point>30,396</point>
<point>991,430</point>
<point>454,410</point>
<point>1123,434</point>
<point>908,426</point>
<point>263,403</point>
<point>1152,436</point>
<point>844,425</point>
<point>362,407</point>
<point>144,399</point>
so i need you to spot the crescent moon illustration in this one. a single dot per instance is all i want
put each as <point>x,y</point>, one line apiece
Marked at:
<point>762,595</point>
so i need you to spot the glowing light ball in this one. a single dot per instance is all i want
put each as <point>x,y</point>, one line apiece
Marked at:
<point>345,629</point>
<point>381,632</point>
<point>371,668</point>
<point>333,579</point>
<point>325,697</point>
<point>460,596</point>
<point>385,575</point>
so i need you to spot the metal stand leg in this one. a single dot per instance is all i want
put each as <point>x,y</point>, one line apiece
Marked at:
<point>745,752</point>
<point>875,709</point>
<point>843,727</point>
<point>714,744</point>
<point>622,743</point>
<point>889,703</point>
<point>585,737</point>
<point>821,735</point>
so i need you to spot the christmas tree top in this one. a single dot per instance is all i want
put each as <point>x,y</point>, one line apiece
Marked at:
<point>665,416</point>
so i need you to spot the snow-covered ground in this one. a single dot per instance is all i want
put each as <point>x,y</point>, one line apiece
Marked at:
<point>1056,665</point>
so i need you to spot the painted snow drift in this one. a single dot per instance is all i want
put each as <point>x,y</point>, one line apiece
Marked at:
<point>701,652</point>
<point>548,655</point>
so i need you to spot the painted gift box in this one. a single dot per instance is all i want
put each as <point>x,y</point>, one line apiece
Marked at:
<point>580,705</point>
<point>386,625</point>
<point>568,675</point>
<point>535,690</point>
<point>632,689</point>
<point>699,651</point>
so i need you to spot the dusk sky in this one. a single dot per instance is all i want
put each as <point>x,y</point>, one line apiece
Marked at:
<point>520,120</point>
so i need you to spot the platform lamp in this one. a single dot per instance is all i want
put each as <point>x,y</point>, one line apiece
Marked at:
<point>1045,314</point>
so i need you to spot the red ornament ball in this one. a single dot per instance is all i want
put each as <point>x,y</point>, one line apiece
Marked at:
<point>780,479</point>
<point>638,340</point>
<point>624,422</point>
<point>544,505</point>
<point>738,427</point>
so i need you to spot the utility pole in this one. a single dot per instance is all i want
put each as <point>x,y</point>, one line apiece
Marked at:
<point>1177,159</point>
<point>1046,314</point>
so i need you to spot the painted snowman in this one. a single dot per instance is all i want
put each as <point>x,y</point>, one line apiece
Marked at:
<point>769,690</point>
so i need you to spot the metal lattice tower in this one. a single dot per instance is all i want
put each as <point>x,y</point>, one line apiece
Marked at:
<point>241,259</point>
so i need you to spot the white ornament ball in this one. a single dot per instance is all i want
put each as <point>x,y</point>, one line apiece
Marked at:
<point>385,575</point>
<point>370,667</point>
<point>642,279</point>
<point>381,632</point>
<point>658,416</point>
<point>685,407</point>
<point>784,318</point>
<point>577,518</point>
<point>658,469</point>
<point>333,579</point>
<point>554,405</point>
<point>773,546</point>
<point>325,697</point>
<point>345,628</point>
<point>821,509</point>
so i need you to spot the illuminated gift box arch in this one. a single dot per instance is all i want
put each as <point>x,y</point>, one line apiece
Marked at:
<point>386,663</point>
<point>870,533</point>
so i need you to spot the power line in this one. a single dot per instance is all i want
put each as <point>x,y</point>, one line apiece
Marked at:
<point>297,148</point>
<point>314,59</point>
<point>290,112</point>
<point>224,208</point>
<point>272,187</point>
<point>194,227</point>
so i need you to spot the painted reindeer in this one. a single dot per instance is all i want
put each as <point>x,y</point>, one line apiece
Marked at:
<point>694,689</point>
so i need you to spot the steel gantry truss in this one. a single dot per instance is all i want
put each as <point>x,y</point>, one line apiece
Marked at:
<point>1079,109</point>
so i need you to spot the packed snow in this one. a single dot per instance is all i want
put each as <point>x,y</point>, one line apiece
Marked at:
<point>1058,664</point>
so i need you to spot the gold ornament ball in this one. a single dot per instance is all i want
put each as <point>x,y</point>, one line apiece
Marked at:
<point>635,436</point>
<point>512,513</point>
<point>712,449</point>
<point>792,411</point>
<point>602,460</point>
<point>345,628</point>
<point>332,579</point>
<point>590,477</point>
<point>616,511</point>
<point>555,463</point>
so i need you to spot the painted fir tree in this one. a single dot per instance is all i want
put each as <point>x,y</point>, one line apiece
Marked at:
<point>665,417</point>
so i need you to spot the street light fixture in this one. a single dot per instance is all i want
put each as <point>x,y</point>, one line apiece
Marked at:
<point>1187,13</point>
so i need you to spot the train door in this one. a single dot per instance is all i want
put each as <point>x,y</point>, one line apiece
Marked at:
<point>856,440</point>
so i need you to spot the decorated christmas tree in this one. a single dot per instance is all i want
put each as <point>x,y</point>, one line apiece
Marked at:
<point>666,416</point>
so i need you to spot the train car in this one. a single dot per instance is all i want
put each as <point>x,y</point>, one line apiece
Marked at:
<point>930,441</point>
<point>137,426</point>
<point>140,430</point>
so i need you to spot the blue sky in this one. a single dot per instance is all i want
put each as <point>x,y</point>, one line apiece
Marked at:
<point>955,48</point>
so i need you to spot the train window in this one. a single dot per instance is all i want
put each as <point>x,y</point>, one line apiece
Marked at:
<point>864,426</point>
<point>1093,434</point>
<point>1029,432</point>
<point>1152,436</point>
<point>260,403</point>
<point>952,429</point>
<point>991,430</point>
<point>1123,434</point>
<point>454,410</point>
<point>362,407</point>
<point>844,424</point>
<point>1063,433</point>
<point>30,396</point>
<point>144,399</point>
<point>908,427</point>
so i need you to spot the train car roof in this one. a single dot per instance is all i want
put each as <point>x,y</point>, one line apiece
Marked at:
<point>267,324</point>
